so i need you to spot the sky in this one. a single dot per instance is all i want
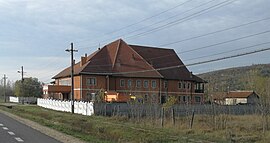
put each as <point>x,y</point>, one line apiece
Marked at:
<point>35,33</point>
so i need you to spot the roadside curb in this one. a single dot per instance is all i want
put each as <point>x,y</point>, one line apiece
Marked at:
<point>45,130</point>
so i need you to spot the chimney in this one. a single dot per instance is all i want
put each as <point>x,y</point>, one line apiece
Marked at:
<point>191,75</point>
<point>83,60</point>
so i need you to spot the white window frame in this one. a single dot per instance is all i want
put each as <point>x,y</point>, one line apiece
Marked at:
<point>152,85</point>
<point>122,80</point>
<point>89,81</point>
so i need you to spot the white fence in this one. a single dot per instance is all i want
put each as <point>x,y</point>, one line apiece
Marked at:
<point>13,99</point>
<point>84,108</point>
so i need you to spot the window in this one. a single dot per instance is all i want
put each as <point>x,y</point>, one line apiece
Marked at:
<point>154,84</point>
<point>165,84</point>
<point>138,83</point>
<point>179,98</point>
<point>180,85</point>
<point>184,99</point>
<point>197,99</point>
<point>65,81</point>
<point>184,85</point>
<point>122,83</point>
<point>188,85</point>
<point>145,83</point>
<point>145,97</point>
<point>129,84</point>
<point>91,81</point>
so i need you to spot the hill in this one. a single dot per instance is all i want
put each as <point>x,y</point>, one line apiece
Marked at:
<point>239,78</point>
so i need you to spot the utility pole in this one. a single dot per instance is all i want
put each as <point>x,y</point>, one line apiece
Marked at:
<point>5,78</point>
<point>22,72</point>
<point>71,50</point>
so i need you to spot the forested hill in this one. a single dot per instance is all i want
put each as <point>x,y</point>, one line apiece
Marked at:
<point>240,78</point>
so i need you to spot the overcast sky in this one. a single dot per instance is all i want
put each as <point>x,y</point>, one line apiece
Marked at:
<point>35,33</point>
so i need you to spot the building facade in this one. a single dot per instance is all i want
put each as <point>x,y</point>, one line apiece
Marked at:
<point>147,73</point>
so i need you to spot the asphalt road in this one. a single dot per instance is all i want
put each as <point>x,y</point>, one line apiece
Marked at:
<point>12,131</point>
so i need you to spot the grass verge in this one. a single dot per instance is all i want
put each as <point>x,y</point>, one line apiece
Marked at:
<point>122,129</point>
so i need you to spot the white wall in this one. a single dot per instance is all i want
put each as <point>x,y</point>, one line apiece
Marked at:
<point>13,99</point>
<point>84,108</point>
<point>234,101</point>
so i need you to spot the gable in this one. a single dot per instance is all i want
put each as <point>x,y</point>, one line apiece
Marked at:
<point>129,63</point>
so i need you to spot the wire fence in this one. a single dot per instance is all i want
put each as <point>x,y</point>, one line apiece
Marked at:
<point>155,110</point>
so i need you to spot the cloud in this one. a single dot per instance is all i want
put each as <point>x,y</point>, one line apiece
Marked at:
<point>34,32</point>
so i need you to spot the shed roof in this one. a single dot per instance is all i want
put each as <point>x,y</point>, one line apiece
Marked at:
<point>240,94</point>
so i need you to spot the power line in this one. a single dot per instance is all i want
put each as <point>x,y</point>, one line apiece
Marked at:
<point>189,17</point>
<point>224,42</point>
<point>229,57</point>
<point>218,31</point>
<point>181,20</point>
<point>220,53</point>
<point>179,66</point>
<point>212,45</point>
<point>144,19</point>
<point>139,29</point>
<point>211,33</point>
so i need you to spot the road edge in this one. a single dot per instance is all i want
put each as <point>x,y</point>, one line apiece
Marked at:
<point>45,130</point>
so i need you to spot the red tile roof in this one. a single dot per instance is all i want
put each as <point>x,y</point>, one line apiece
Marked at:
<point>239,94</point>
<point>121,59</point>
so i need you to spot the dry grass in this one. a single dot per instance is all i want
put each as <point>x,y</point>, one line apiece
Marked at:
<point>206,128</point>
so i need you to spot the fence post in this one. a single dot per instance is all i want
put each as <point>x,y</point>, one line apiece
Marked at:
<point>118,110</point>
<point>162,117</point>
<point>192,119</point>
<point>105,110</point>
<point>173,116</point>
<point>114,110</point>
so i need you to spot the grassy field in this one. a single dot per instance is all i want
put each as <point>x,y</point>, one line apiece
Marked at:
<point>221,128</point>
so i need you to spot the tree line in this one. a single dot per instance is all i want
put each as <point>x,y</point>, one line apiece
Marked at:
<point>28,87</point>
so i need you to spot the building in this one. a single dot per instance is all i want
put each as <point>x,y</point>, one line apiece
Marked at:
<point>241,97</point>
<point>147,73</point>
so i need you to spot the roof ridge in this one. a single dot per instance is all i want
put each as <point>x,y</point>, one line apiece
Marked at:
<point>118,46</point>
<point>163,48</point>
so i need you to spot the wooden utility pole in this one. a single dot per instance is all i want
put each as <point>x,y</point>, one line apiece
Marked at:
<point>5,78</point>
<point>22,72</point>
<point>71,50</point>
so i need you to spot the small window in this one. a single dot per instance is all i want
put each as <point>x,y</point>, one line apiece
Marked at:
<point>122,83</point>
<point>184,99</point>
<point>91,81</point>
<point>145,97</point>
<point>138,83</point>
<point>197,99</point>
<point>165,84</point>
<point>129,84</point>
<point>154,84</point>
<point>180,85</point>
<point>184,85</point>
<point>188,85</point>
<point>145,83</point>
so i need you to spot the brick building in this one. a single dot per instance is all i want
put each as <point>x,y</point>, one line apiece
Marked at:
<point>149,73</point>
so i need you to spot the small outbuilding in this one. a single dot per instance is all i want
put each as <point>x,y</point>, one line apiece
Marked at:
<point>241,97</point>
